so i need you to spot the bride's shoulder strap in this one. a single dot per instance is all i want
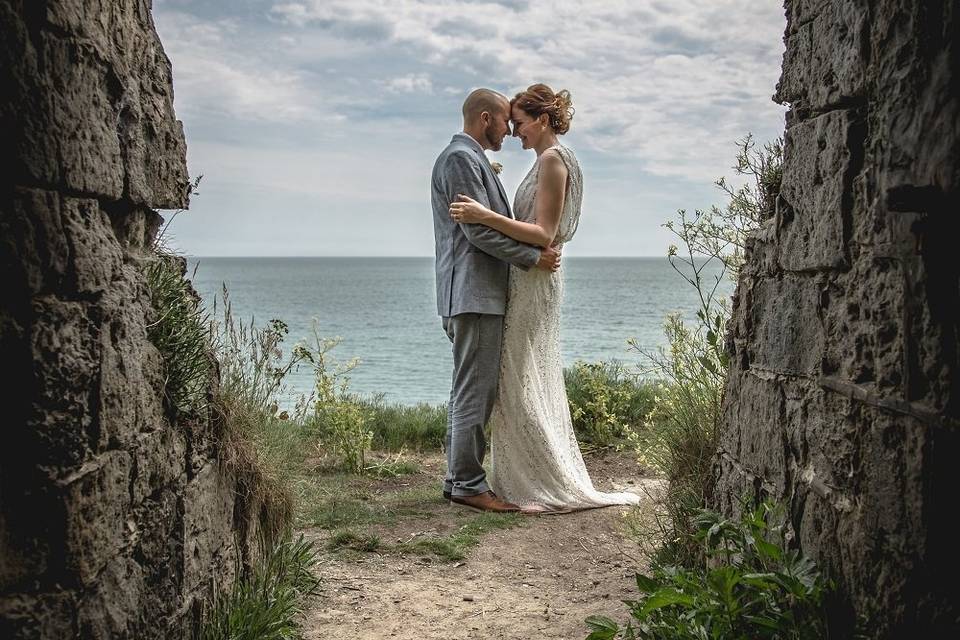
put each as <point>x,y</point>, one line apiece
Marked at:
<point>559,152</point>
<point>566,154</point>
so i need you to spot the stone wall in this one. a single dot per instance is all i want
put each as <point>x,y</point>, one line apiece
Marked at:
<point>113,520</point>
<point>843,399</point>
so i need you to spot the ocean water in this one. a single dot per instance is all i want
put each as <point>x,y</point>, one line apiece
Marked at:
<point>384,309</point>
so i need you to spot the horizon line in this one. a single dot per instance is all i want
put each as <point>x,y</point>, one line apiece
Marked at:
<point>189,255</point>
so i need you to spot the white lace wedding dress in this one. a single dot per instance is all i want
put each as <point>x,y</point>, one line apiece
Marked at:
<point>535,459</point>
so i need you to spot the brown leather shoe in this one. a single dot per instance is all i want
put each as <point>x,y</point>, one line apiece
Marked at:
<point>486,502</point>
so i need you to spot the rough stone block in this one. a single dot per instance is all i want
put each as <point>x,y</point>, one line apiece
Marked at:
<point>153,147</point>
<point>762,257</point>
<point>158,548</point>
<point>151,139</point>
<point>785,332</point>
<point>824,444</point>
<point>94,252</point>
<point>66,353</point>
<point>208,505</point>
<point>83,118</point>
<point>114,607</point>
<point>97,502</point>
<point>56,243</point>
<point>753,430</point>
<point>108,129</point>
<point>825,53</point>
<point>863,324</point>
<point>32,242</point>
<point>816,163</point>
<point>28,616</point>
<point>915,73</point>
<point>131,379</point>
<point>136,230</point>
<point>160,457</point>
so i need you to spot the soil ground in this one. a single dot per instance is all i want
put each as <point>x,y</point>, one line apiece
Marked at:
<point>526,577</point>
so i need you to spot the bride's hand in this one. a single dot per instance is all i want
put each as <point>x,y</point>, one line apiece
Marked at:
<point>466,209</point>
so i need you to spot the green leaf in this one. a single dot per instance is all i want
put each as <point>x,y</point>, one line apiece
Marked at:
<point>707,364</point>
<point>665,598</point>
<point>603,628</point>
<point>767,549</point>
<point>646,584</point>
<point>764,621</point>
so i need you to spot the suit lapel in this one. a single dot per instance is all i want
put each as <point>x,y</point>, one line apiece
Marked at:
<point>503,194</point>
<point>485,162</point>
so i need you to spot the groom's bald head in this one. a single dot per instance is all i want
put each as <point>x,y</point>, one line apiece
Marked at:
<point>481,100</point>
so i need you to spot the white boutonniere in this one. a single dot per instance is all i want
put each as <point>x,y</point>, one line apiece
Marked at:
<point>497,167</point>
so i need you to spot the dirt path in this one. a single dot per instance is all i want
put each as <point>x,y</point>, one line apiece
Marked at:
<point>539,579</point>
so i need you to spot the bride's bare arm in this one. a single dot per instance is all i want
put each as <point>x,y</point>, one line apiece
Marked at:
<point>551,186</point>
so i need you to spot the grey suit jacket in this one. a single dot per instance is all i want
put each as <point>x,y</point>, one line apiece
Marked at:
<point>471,259</point>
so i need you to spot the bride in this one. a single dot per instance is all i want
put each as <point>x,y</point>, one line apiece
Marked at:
<point>535,459</point>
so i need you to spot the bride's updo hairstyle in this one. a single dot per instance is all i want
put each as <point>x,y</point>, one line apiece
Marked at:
<point>539,99</point>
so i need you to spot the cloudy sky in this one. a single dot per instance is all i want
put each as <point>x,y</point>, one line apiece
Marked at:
<point>315,123</point>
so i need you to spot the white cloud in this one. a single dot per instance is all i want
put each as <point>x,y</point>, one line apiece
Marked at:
<point>672,84</point>
<point>411,83</point>
<point>316,123</point>
<point>216,74</point>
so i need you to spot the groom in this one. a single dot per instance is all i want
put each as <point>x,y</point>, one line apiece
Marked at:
<point>471,270</point>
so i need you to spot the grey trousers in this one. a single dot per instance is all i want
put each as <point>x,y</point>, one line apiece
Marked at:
<point>476,339</point>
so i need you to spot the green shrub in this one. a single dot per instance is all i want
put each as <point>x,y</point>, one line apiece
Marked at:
<point>345,432</point>
<point>266,603</point>
<point>754,588</point>
<point>341,418</point>
<point>604,401</point>
<point>179,332</point>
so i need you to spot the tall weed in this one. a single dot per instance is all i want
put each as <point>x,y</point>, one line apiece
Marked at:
<point>268,602</point>
<point>680,433</point>
<point>343,419</point>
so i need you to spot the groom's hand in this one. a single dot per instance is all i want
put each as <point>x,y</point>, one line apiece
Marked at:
<point>549,259</point>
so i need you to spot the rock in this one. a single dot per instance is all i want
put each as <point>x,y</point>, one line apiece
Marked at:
<point>114,522</point>
<point>841,401</point>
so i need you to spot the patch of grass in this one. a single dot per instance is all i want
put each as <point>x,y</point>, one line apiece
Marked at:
<point>179,332</point>
<point>264,447</point>
<point>393,468</point>
<point>267,603</point>
<point>454,547</point>
<point>421,427</point>
<point>335,507</point>
<point>449,548</point>
<point>366,542</point>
